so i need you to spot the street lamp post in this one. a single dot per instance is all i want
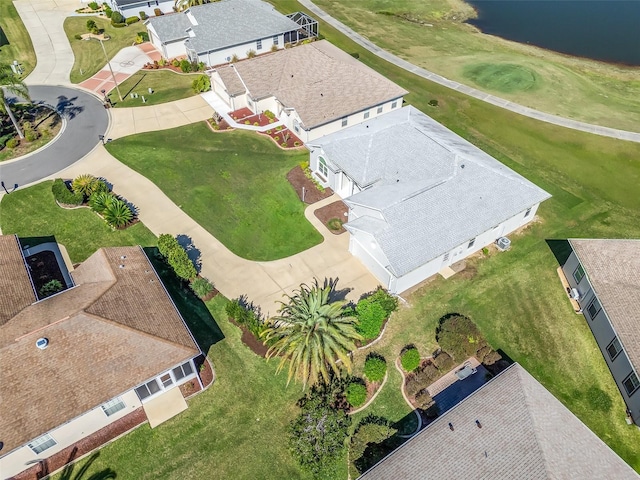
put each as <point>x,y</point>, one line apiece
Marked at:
<point>110,69</point>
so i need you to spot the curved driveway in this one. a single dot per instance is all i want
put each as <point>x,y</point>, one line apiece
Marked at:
<point>472,92</point>
<point>85,119</point>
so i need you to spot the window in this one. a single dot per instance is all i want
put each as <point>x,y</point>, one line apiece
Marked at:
<point>276,39</point>
<point>593,308</point>
<point>39,445</point>
<point>344,121</point>
<point>182,371</point>
<point>526,214</point>
<point>394,104</point>
<point>471,242</point>
<point>166,380</point>
<point>379,111</point>
<point>366,115</point>
<point>148,389</point>
<point>614,348</point>
<point>631,384</point>
<point>578,274</point>
<point>322,167</point>
<point>296,126</point>
<point>259,45</point>
<point>113,406</point>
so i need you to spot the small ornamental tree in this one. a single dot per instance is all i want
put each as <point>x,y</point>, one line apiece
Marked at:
<point>181,263</point>
<point>375,367</point>
<point>356,393</point>
<point>117,213</point>
<point>50,288</point>
<point>410,359</point>
<point>460,337</point>
<point>91,26</point>
<point>98,201</point>
<point>201,84</point>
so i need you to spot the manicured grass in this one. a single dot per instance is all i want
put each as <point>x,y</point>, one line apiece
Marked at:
<point>32,212</point>
<point>89,57</point>
<point>167,86</point>
<point>587,90</point>
<point>502,77</point>
<point>19,46</point>
<point>233,184</point>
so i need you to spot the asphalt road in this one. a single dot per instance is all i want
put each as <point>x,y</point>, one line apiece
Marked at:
<point>85,118</point>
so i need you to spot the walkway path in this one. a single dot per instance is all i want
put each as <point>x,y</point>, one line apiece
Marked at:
<point>263,282</point>
<point>223,109</point>
<point>497,101</point>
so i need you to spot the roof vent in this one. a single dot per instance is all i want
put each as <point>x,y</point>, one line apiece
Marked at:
<point>478,424</point>
<point>42,343</point>
<point>121,266</point>
<point>462,166</point>
<point>451,426</point>
<point>123,257</point>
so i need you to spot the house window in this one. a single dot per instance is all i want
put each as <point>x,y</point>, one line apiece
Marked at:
<point>614,348</point>
<point>631,383</point>
<point>322,167</point>
<point>366,115</point>
<point>471,243</point>
<point>259,45</point>
<point>148,389</point>
<point>166,380</point>
<point>394,104</point>
<point>113,406</point>
<point>182,371</point>
<point>276,39</point>
<point>578,274</point>
<point>344,121</point>
<point>379,110</point>
<point>526,214</point>
<point>40,444</point>
<point>594,308</point>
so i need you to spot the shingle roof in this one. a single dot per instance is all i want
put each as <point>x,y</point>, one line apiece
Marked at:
<point>613,270</point>
<point>526,434</point>
<point>112,331</point>
<point>319,80</point>
<point>434,189</point>
<point>15,285</point>
<point>223,24</point>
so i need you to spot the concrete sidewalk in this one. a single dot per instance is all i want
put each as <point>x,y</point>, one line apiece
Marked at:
<point>264,283</point>
<point>223,109</point>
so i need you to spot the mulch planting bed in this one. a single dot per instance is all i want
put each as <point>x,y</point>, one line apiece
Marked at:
<point>206,377</point>
<point>298,179</point>
<point>45,121</point>
<point>87,444</point>
<point>284,138</point>
<point>333,216</point>
<point>251,341</point>
<point>222,125</point>
<point>241,114</point>
<point>43,267</point>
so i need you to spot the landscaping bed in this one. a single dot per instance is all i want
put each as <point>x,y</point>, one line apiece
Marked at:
<point>333,216</point>
<point>40,125</point>
<point>44,269</point>
<point>283,137</point>
<point>312,194</point>
<point>250,340</point>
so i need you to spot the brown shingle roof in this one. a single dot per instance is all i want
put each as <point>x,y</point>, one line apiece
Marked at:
<point>116,329</point>
<point>613,269</point>
<point>526,434</point>
<point>15,285</point>
<point>319,80</point>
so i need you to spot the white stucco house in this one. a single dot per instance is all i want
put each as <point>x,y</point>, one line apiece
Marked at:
<point>420,197</point>
<point>315,89</point>
<point>131,8</point>
<point>215,33</point>
<point>111,348</point>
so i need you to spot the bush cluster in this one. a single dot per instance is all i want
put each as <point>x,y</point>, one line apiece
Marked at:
<point>356,393</point>
<point>64,195</point>
<point>13,142</point>
<point>132,20</point>
<point>370,443</point>
<point>185,65</point>
<point>201,84</point>
<point>410,359</point>
<point>50,288</point>
<point>372,311</point>
<point>459,336</point>
<point>143,15</point>
<point>245,317</point>
<point>422,378</point>
<point>201,286</point>
<point>30,133</point>
<point>117,18</point>
<point>375,367</point>
<point>176,257</point>
<point>108,11</point>
<point>94,5</point>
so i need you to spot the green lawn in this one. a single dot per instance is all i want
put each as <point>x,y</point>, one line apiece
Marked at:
<point>587,90</point>
<point>15,42</point>
<point>233,184</point>
<point>89,57</point>
<point>32,212</point>
<point>167,86</point>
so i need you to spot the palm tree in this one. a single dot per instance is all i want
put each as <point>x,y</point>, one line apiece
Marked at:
<point>311,333</point>
<point>9,82</point>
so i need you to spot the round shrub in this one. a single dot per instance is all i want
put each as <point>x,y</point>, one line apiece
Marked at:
<point>201,286</point>
<point>12,143</point>
<point>77,36</point>
<point>410,359</point>
<point>356,394</point>
<point>116,17</point>
<point>63,195</point>
<point>370,319</point>
<point>375,368</point>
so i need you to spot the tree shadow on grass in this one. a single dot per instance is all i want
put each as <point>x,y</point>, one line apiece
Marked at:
<point>67,472</point>
<point>197,316</point>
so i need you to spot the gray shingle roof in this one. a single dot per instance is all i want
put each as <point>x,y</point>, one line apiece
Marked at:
<point>434,189</point>
<point>526,434</point>
<point>319,80</point>
<point>223,24</point>
<point>613,269</point>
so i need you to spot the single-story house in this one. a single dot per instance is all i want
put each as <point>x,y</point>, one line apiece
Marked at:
<point>420,197</point>
<point>315,89</point>
<point>604,278</point>
<point>215,33</point>
<point>132,8</point>
<point>512,427</point>
<point>75,362</point>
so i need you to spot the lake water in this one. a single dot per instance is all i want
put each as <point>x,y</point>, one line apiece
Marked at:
<point>607,30</point>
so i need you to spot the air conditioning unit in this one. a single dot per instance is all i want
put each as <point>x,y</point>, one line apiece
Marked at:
<point>575,294</point>
<point>503,243</point>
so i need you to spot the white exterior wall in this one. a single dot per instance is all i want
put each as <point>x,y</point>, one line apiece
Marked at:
<point>168,50</point>
<point>67,434</point>
<point>219,57</point>
<point>146,7</point>
<point>364,247</point>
